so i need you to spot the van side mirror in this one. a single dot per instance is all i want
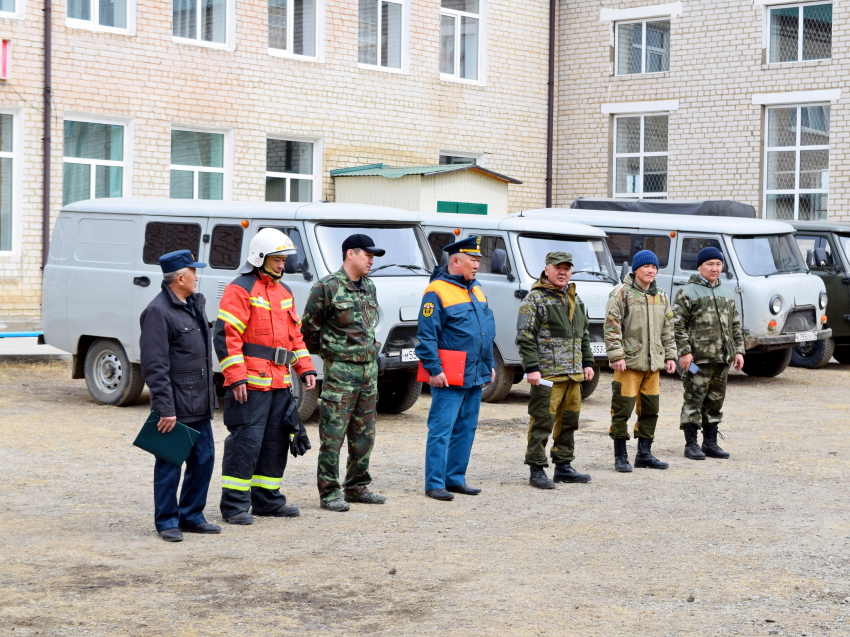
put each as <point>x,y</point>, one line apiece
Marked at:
<point>292,266</point>
<point>820,257</point>
<point>624,271</point>
<point>499,262</point>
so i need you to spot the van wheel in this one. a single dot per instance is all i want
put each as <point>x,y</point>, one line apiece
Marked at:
<point>767,364</point>
<point>306,400</point>
<point>501,387</point>
<point>110,376</point>
<point>814,354</point>
<point>398,393</point>
<point>842,354</point>
<point>589,386</point>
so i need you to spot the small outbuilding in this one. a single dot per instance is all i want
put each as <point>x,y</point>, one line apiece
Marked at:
<point>463,188</point>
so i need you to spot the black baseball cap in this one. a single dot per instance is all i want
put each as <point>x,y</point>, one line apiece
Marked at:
<point>364,242</point>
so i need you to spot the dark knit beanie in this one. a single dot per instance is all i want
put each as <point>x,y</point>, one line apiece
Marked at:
<point>644,257</point>
<point>707,254</point>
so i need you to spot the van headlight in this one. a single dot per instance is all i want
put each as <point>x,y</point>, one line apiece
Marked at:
<point>822,300</point>
<point>775,305</point>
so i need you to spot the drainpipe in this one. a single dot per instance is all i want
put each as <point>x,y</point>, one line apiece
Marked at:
<point>45,186</point>
<point>550,132</point>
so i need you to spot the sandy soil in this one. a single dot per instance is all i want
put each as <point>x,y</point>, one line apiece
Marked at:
<point>755,545</point>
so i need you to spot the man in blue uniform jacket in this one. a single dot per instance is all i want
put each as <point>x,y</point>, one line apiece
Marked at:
<point>455,316</point>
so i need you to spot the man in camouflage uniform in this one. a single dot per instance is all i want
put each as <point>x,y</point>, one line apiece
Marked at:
<point>640,342</point>
<point>339,325</point>
<point>709,339</point>
<point>554,343</point>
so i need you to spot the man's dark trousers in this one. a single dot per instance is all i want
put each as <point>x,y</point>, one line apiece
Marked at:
<point>255,454</point>
<point>196,481</point>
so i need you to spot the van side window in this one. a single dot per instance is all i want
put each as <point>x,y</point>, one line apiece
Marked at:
<point>438,241</point>
<point>807,245</point>
<point>620,246</point>
<point>296,262</point>
<point>162,238</point>
<point>660,245</point>
<point>690,249</point>
<point>488,246</point>
<point>226,247</point>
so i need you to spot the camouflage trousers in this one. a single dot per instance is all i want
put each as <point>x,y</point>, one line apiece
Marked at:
<point>634,391</point>
<point>704,394</point>
<point>349,397</point>
<point>554,411</point>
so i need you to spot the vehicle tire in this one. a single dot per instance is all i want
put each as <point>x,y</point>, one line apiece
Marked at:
<point>589,386</point>
<point>814,354</point>
<point>306,400</point>
<point>110,376</point>
<point>767,364</point>
<point>398,393</point>
<point>842,354</point>
<point>501,387</point>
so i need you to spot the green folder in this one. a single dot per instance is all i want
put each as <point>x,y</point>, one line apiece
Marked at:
<point>173,447</point>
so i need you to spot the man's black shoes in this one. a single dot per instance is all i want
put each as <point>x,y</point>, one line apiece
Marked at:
<point>203,527</point>
<point>564,472</point>
<point>284,511</point>
<point>463,489</point>
<point>439,494</point>
<point>243,518</point>
<point>537,478</point>
<point>171,535</point>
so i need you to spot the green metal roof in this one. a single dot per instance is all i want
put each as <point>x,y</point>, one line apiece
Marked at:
<point>382,170</point>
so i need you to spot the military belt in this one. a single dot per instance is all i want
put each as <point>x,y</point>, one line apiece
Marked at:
<point>277,355</point>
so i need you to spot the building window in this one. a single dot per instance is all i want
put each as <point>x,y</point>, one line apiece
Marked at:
<point>289,170</point>
<point>640,156</point>
<point>93,164</point>
<point>9,6</point>
<point>292,26</point>
<point>460,38</point>
<point>455,159</point>
<point>197,165</point>
<point>797,163</point>
<point>380,24</point>
<point>7,185</point>
<point>800,32</point>
<point>105,14</point>
<point>643,47</point>
<point>202,20</point>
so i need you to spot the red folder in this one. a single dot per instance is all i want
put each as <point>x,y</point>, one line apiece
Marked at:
<point>454,364</point>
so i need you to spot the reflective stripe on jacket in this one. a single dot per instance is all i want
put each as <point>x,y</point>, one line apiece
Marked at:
<point>257,309</point>
<point>454,315</point>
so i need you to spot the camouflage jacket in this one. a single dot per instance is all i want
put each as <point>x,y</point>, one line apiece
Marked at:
<point>706,322</point>
<point>339,319</point>
<point>639,326</point>
<point>552,334</point>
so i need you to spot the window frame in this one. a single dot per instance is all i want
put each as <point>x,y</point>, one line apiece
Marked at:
<point>229,43</point>
<point>320,36</point>
<point>316,174</point>
<point>797,148</point>
<point>17,113</point>
<point>126,163</point>
<point>645,47</point>
<point>482,44</point>
<point>770,5</point>
<point>227,169</point>
<point>405,41</point>
<point>19,13</point>
<point>615,155</point>
<point>478,157</point>
<point>91,25</point>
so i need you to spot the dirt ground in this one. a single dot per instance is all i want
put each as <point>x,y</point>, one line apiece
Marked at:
<point>755,545</point>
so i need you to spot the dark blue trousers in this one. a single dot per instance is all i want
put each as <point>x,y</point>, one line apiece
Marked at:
<point>196,481</point>
<point>452,422</point>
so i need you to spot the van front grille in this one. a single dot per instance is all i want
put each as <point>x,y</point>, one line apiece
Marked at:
<point>800,321</point>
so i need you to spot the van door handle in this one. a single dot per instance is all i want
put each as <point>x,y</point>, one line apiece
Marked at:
<point>680,282</point>
<point>141,281</point>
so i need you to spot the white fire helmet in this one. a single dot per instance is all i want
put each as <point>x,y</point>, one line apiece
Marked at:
<point>267,242</point>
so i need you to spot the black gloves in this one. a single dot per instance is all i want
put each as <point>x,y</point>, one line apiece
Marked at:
<point>299,443</point>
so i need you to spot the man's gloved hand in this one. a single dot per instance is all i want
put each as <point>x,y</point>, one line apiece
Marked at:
<point>299,443</point>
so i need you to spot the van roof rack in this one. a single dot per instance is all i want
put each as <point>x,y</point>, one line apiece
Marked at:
<point>711,208</point>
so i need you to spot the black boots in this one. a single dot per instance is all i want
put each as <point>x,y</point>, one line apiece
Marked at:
<point>692,449</point>
<point>709,443</point>
<point>621,457</point>
<point>644,457</point>
<point>565,473</point>
<point>538,478</point>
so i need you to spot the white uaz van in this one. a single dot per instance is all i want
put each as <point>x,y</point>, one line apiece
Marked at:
<point>780,303</point>
<point>103,270</point>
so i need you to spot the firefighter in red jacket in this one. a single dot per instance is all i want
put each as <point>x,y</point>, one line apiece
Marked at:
<point>257,339</point>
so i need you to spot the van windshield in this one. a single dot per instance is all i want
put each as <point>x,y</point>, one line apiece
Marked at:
<point>590,260</point>
<point>766,255</point>
<point>404,255</point>
<point>844,241</point>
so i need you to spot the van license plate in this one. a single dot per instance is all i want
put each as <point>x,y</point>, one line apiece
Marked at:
<point>409,355</point>
<point>803,337</point>
<point>598,349</point>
